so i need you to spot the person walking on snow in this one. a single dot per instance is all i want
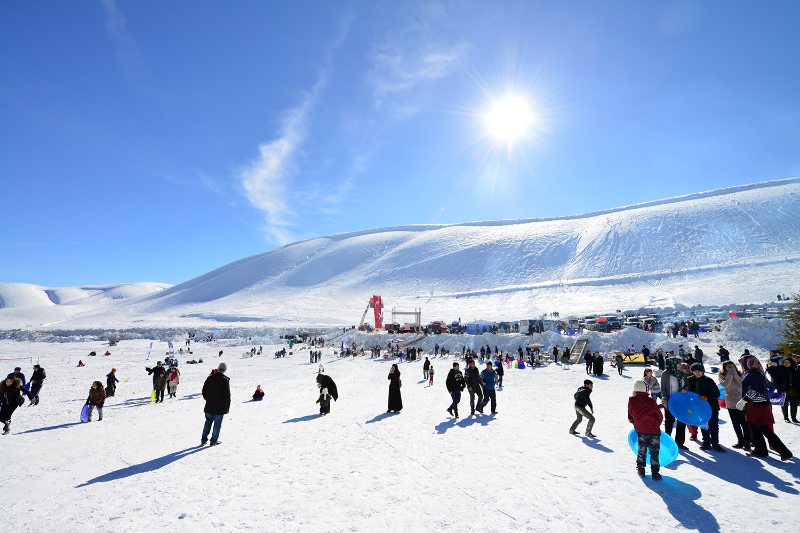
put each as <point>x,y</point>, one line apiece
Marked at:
<point>430,375</point>
<point>217,394</point>
<point>500,372</point>
<point>326,382</point>
<point>37,379</point>
<point>488,378</point>
<point>620,360</point>
<point>582,403</point>
<point>96,399</point>
<point>646,417</point>
<point>111,382</point>
<point>473,379</point>
<point>11,391</point>
<point>588,359</point>
<point>758,410</point>
<point>454,384</point>
<point>731,380</point>
<point>425,366</point>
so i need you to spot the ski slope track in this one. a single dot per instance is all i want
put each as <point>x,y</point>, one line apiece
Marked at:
<point>735,245</point>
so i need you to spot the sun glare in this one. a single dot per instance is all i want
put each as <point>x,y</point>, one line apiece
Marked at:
<point>509,119</point>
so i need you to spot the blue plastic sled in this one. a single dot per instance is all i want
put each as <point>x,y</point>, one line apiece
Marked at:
<point>667,453</point>
<point>521,365</point>
<point>690,409</point>
<point>85,413</point>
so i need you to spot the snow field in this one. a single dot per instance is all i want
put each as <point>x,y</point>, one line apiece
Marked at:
<point>280,467</point>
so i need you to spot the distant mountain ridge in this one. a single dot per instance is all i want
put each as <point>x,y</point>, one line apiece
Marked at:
<point>739,244</point>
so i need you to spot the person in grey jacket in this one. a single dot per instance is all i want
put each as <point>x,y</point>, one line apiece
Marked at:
<point>731,380</point>
<point>672,383</point>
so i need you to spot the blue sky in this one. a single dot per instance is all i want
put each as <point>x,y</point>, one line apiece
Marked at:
<point>155,141</point>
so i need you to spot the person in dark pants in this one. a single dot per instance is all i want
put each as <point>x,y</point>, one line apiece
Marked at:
<point>425,366</point>
<point>785,377</point>
<point>488,379</point>
<point>644,414</point>
<point>500,372</point>
<point>472,377</point>
<point>671,381</point>
<point>758,410</point>
<point>454,384</point>
<point>217,394</point>
<point>37,379</point>
<point>708,391</point>
<point>111,382</point>
<point>731,380</point>
<point>10,398</point>
<point>582,403</point>
<point>589,360</point>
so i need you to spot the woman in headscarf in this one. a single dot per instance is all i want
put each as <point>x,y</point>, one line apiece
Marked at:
<point>758,410</point>
<point>731,380</point>
<point>395,399</point>
<point>173,378</point>
<point>597,365</point>
<point>671,384</point>
<point>784,376</point>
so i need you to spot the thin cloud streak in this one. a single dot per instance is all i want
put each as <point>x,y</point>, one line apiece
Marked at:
<point>128,53</point>
<point>265,179</point>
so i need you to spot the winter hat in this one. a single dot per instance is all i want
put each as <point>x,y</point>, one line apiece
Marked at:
<point>639,386</point>
<point>672,366</point>
<point>698,366</point>
<point>17,369</point>
<point>113,369</point>
<point>751,363</point>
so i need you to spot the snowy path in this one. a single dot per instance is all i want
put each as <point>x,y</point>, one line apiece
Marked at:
<point>282,468</point>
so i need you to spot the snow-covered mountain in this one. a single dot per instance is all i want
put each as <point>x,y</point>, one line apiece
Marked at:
<point>735,245</point>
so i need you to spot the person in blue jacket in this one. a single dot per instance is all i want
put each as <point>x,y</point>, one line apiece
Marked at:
<point>489,377</point>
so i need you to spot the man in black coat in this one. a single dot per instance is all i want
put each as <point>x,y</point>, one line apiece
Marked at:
<point>724,355</point>
<point>454,384</point>
<point>472,376</point>
<point>217,393</point>
<point>426,365</point>
<point>708,391</point>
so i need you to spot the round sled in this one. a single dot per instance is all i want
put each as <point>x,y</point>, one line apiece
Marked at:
<point>85,413</point>
<point>689,409</point>
<point>667,453</point>
<point>521,365</point>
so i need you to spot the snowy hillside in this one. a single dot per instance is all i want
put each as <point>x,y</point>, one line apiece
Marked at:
<point>734,245</point>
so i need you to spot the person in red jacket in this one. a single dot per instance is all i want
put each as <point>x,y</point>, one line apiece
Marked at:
<point>646,417</point>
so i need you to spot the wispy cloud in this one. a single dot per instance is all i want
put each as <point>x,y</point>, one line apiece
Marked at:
<point>265,179</point>
<point>128,54</point>
<point>417,53</point>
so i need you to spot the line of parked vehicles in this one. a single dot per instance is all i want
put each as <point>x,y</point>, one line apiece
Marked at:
<point>710,318</point>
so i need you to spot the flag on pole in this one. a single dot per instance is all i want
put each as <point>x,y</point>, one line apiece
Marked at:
<point>171,350</point>
<point>150,350</point>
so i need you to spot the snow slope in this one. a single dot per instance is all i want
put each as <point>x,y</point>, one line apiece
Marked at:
<point>735,245</point>
<point>281,468</point>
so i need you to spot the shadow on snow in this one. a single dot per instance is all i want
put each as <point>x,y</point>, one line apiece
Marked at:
<point>303,418</point>
<point>680,500</point>
<point>148,466</point>
<point>62,426</point>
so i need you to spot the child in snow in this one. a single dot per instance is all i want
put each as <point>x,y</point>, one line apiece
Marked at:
<point>646,417</point>
<point>582,403</point>
<point>96,399</point>
<point>111,382</point>
<point>324,402</point>
<point>258,394</point>
<point>321,369</point>
<point>80,363</point>
<point>430,376</point>
<point>173,378</point>
<point>620,363</point>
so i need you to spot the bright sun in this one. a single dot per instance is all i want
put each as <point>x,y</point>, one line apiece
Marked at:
<point>509,119</point>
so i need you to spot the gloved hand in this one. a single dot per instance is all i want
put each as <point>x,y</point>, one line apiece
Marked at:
<point>741,404</point>
<point>704,398</point>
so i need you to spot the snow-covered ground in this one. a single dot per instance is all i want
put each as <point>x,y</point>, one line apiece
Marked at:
<point>731,246</point>
<point>282,468</point>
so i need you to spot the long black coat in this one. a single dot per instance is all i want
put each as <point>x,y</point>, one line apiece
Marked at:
<point>395,398</point>
<point>217,393</point>
<point>327,383</point>
<point>597,366</point>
